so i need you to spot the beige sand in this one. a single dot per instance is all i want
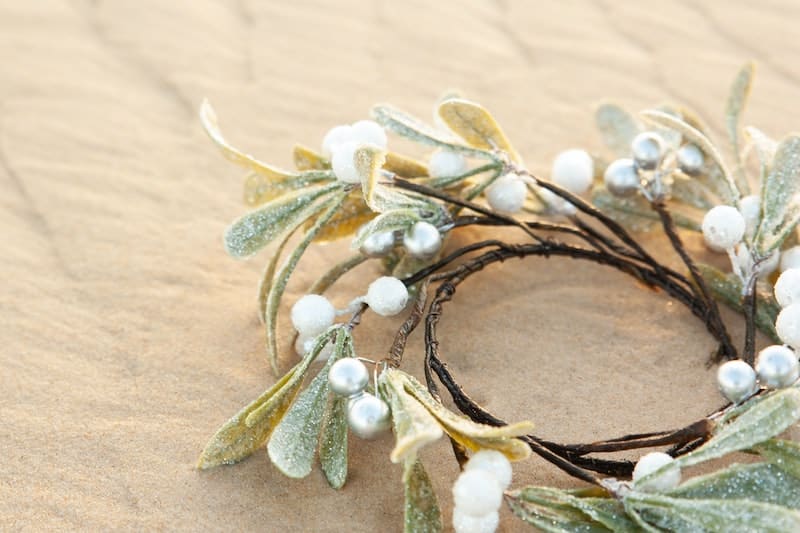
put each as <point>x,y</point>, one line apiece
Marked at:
<point>127,334</point>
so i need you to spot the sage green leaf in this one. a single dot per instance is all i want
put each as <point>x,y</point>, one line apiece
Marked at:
<point>765,150</point>
<point>351,215</point>
<point>236,440</point>
<point>554,517</point>
<point>692,192</point>
<point>737,100</point>
<point>784,454</point>
<point>414,129</point>
<point>617,127</point>
<point>422,513</point>
<point>678,514</point>
<point>727,288</point>
<point>633,212</point>
<point>762,420</point>
<point>278,286</point>
<point>307,159</point>
<point>724,184</point>
<point>761,482</point>
<point>398,219</point>
<point>592,512</point>
<point>414,426</point>
<point>780,198</point>
<point>333,443</point>
<point>259,227</point>
<point>469,434</point>
<point>293,444</point>
<point>443,182</point>
<point>259,189</point>
<point>473,123</point>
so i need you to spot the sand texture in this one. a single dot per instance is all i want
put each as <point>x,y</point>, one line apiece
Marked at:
<point>127,336</point>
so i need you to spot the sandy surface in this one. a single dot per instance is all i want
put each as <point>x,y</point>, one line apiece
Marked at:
<point>128,335</point>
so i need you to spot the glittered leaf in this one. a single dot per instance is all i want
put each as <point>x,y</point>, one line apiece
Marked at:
<point>236,440</point>
<point>760,482</point>
<point>404,166</point>
<point>422,513</point>
<point>724,184</point>
<point>765,150</point>
<point>412,128</point>
<point>471,435</point>
<point>737,100</point>
<point>352,214</point>
<point>307,159</point>
<point>414,425</point>
<point>692,192</point>
<point>278,285</point>
<point>633,212</point>
<point>473,123</point>
<point>784,454</point>
<point>333,443</point>
<point>761,420</point>
<point>780,198</point>
<point>259,227</point>
<point>618,128</point>
<point>209,120</point>
<point>259,188</point>
<point>679,514</point>
<point>399,219</point>
<point>293,444</point>
<point>727,288</point>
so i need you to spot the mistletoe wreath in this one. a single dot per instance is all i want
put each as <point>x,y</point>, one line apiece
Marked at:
<point>667,174</point>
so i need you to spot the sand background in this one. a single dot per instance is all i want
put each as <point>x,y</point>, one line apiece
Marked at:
<point>128,336</point>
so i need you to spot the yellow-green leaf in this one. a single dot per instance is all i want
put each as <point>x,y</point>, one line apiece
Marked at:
<point>352,214</point>
<point>422,513</point>
<point>307,159</point>
<point>473,123</point>
<point>259,188</point>
<point>404,166</point>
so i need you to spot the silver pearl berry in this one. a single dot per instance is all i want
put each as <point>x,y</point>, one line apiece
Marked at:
<point>422,240</point>
<point>378,244</point>
<point>777,366</point>
<point>736,380</point>
<point>368,416</point>
<point>690,159</point>
<point>647,149</point>
<point>621,177</point>
<point>348,377</point>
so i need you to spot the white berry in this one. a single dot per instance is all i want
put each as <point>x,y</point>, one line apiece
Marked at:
<point>378,244</point>
<point>787,288</point>
<point>723,227</point>
<point>573,170</point>
<point>444,164</point>
<point>369,132</point>
<point>736,380</point>
<point>507,194</point>
<point>651,462</point>
<point>750,207</point>
<point>621,177</point>
<point>348,377</point>
<point>477,492</point>
<point>647,149</point>
<point>790,258</point>
<point>493,462</point>
<point>422,240</point>
<point>305,344</point>
<point>556,204</point>
<point>343,162</point>
<point>467,523</point>
<point>690,159</point>
<point>387,296</point>
<point>788,325</point>
<point>312,314</point>
<point>777,366</point>
<point>335,137</point>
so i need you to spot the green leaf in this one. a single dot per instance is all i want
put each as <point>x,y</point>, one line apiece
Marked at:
<point>294,442</point>
<point>351,215</point>
<point>727,288</point>
<point>333,442</point>
<point>723,183</point>
<point>404,166</point>
<point>473,123</point>
<point>633,212</point>
<point>760,421</point>
<point>412,128</point>
<point>414,426</point>
<point>398,219</point>
<point>678,514</point>
<point>259,227</point>
<point>259,189</point>
<point>765,150</point>
<point>422,513</point>
<point>784,454</point>
<point>307,159</point>
<point>780,198</point>
<point>737,100</point>
<point>278,286</point>
<point>760,482</point>
<point>617,127</point>
<point>369,162</point>
<point>469,434</point>
<point>236,440</point>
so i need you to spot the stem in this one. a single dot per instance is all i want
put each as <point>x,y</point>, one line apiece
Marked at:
<point>749,303</point>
